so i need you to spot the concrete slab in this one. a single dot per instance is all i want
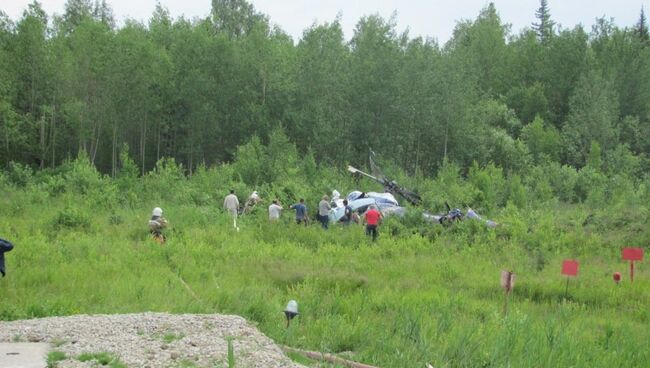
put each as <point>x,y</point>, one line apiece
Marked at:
<point>23,355</point>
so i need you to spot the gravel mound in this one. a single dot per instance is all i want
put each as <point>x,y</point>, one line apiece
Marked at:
<point>151,340</point>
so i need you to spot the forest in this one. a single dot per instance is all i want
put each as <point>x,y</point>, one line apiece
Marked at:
<point>203,91</point>
<point>545,131</point>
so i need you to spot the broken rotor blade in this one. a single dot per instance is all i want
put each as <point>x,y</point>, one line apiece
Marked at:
<point>357,171</point>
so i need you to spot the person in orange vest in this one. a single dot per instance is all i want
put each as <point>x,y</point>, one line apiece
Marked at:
<point>371,218</point>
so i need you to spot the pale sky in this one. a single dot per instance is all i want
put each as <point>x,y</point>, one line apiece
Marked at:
<point>426,18</point>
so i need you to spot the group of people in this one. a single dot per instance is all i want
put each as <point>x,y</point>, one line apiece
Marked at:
<point>371,217</point>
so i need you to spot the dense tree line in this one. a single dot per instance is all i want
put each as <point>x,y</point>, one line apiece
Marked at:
<point>196,90</point>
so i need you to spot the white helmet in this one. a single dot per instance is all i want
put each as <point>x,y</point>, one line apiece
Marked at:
<point>157,212</point>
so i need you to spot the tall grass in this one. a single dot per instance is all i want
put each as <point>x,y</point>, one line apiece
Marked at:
<point>419,294</point>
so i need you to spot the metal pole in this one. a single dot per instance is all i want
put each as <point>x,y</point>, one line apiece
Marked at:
<point>566,290</point>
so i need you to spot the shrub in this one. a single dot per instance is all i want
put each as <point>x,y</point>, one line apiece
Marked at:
<point>71,218</point>
<point>53,357</point>
<point>19,174</point>
<point>82,176</point>
<point>590,182</point>
<point>491,184</point>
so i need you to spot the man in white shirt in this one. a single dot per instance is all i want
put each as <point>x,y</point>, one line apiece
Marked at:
<point>274,211</point>
<point>231,203</point>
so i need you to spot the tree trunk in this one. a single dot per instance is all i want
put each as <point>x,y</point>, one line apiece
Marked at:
<point>114,152</point>
<point>143,141</point>
<point>7,141</point>
<point>43,152</point>
<point>263,90</point>
<point>158,141</point>
<point>444,156</point>
<point>53,129</point>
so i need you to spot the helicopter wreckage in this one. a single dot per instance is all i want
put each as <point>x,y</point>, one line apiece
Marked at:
<point>387,203</point>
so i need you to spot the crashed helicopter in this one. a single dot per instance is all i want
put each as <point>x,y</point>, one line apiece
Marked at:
<point>388,204</point>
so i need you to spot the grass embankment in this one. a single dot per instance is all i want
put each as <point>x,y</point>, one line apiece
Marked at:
<point>416,296</point>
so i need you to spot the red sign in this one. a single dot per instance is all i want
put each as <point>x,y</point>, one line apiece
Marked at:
<point>570,268</point>
<point>633,254</point>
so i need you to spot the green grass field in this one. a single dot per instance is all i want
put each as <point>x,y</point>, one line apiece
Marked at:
<point>419,295</point>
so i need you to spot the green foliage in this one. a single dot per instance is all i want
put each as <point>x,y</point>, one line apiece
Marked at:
<point>545,131</point>
<point>19,175</point>
<point>590,185</point>
<point>231,354</point>
<point>517,192</point>
<point>594,109</point>
<point>234,89</point>
<point>412,289</point>
<point>171,337</point>
<point>544,142</point>
<point>491,185</point>
<point>250,163</point>
<point>53,357</point>
<point>103,358</point>
<point>71,218</point>
<point>81,176</point>
<point>594,160</point>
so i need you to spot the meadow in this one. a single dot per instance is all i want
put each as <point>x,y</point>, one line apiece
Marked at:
<point>420,294</point>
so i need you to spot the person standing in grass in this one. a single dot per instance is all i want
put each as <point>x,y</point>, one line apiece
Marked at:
<point>231,204</point>
<point>157,224</point>
<point>347,213</point>
<point>274,211</point>
<point>301,212</point>
<point>324,211</point>
<point>5,246</point>
<point>372,218</point>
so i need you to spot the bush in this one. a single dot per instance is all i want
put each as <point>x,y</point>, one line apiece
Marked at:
<point>20,175</point>
<point>491,184</point>
<point>562,180</point>
<point>81,176</point>
<point>71,218</point>
<point>590,183</point>
<point>167,181</point>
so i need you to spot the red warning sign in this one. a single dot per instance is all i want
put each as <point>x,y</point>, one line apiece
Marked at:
<point>570,268</point>
<point>633,254</point>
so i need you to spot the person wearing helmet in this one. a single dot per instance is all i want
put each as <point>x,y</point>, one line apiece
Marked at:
<point>372,218</point>
<point>251,202</point>
<point>157,224</point>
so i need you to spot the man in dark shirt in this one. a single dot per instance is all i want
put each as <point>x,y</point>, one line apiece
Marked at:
<point>5,246</point>
<point>347,214</point>
<point>301,212</point>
